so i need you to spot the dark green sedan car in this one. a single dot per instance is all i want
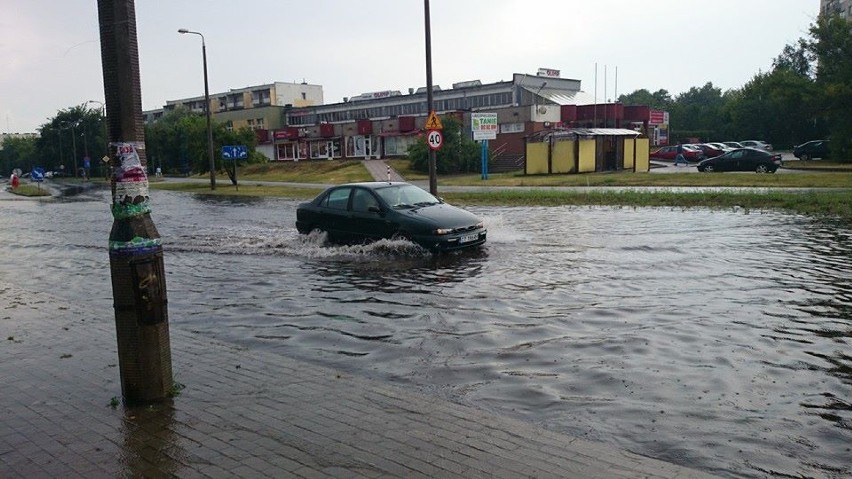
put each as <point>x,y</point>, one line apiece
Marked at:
<point>742,159</point>
<point>364,212</point>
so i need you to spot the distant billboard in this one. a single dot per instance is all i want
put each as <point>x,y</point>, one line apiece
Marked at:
<point>484,126</point>
<point>548,72</point>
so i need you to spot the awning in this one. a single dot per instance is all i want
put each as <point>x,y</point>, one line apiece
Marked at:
<point>573,133</point>
<point>563,97</point>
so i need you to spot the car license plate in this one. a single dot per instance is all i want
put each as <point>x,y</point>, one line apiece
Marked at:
<point>468,238</point>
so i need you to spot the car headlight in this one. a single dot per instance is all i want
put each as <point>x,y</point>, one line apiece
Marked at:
<point>480,225</point>
<point>443,231</point>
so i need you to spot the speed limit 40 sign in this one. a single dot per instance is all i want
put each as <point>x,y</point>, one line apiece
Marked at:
<point>434,139</point>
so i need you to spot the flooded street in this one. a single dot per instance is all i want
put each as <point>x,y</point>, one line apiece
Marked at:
<point>719,340</point>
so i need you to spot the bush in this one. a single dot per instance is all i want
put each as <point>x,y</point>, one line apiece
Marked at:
<point>459,154</point>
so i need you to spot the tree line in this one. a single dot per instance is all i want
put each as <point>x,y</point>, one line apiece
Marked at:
<point>807,95</point>
<point>177,144</point>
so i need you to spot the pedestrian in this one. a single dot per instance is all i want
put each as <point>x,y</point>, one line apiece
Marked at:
<point>679,158</point>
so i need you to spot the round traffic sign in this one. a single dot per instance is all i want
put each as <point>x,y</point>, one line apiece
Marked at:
<point>434,139</point>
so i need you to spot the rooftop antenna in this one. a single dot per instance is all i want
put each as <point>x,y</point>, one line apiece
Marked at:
<point>596,96</point>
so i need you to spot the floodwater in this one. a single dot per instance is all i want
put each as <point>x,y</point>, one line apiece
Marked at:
<point>716,339</point>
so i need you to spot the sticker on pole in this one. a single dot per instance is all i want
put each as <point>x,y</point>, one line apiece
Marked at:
<point>434,139</point>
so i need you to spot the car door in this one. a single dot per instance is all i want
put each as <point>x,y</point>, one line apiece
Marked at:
<point>732,162</point>
<point>367,219</point>
<point>334,213</point>
<point>750,160</point>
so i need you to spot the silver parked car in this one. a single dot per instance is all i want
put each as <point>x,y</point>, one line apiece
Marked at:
<point>761,145</point>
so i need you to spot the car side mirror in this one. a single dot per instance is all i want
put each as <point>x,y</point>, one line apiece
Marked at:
<point>375,209</point>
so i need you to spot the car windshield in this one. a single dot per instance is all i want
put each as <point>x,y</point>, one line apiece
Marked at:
<point>406,196</point>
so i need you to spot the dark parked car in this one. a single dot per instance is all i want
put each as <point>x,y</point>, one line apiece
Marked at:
<point>811,149</point>
<point>743,159</point>
<point>364,212</point>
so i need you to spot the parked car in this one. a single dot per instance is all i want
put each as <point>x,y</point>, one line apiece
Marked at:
<point>811,149</point>
<point>720,146</point>
<point>709,150</point>
<point>670,152</point>
<point>733,144</point>
<point>742,159</point>
<point>364,212</point>
<point>761,145</point>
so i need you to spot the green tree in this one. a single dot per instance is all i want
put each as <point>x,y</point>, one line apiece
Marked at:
<point>68,137</point>
<point>796,58</point>
<point>659,100</point>
<point>18,153</point>
<point>777,107</point>
<point>698,112</point>
<point>177,143</point>
<point>831,44</point>
<point>459,154</point>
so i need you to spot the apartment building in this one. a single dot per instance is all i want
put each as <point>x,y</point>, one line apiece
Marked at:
<point>258,107</point>
<point>836,7</point>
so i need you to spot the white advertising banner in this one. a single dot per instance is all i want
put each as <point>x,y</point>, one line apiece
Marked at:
<point>484,126</point>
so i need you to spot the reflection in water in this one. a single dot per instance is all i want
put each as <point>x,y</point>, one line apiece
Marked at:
<point>151,447</point>
<point>715,339</point>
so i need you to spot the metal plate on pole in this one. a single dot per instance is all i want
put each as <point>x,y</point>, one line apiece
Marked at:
<point>434,139</point>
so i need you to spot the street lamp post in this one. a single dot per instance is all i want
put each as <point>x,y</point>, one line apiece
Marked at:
<point>104,122</point>
<point>206,108</point>
<point>73,125</point>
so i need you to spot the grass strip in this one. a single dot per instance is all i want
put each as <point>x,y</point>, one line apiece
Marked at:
<point>814,202</point>
<point>29,190</point>
<point>822,203</point>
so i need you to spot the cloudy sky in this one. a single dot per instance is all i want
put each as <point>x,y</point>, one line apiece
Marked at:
<point>50,49</point>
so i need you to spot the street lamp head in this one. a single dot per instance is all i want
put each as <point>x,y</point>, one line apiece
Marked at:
<point>183,30</point>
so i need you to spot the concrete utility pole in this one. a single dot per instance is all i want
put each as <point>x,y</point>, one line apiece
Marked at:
<point>433,175</point>
<point>135,251</point>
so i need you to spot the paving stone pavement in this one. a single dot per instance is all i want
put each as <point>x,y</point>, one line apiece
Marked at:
<point>248,413</point>
<point>380,171</point>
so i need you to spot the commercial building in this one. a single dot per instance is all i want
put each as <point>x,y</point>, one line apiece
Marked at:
<point>298,126</point>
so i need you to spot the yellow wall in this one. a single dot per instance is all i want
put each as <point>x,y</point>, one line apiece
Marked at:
<point>537,158</point>
<point>563,157</point>
<point>642,153</point>
<point>587,156</point>
<point>629,148</point>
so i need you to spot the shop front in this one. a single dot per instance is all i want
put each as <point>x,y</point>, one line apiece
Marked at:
<point>288,145</point>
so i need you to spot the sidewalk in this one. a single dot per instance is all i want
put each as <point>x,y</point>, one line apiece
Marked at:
<point>381,171</point>
<point>247,413</point>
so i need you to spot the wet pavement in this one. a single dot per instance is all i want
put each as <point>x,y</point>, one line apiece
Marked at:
<point>248,413</point>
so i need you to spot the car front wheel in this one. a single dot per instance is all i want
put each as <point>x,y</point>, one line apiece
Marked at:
<point>805,157</point>
<point>401,235</point>
<point>708,169</point>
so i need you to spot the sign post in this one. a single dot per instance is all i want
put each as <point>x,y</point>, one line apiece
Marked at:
<point>484,127</point>
<point>37,175</point>
<point>234,153</point>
